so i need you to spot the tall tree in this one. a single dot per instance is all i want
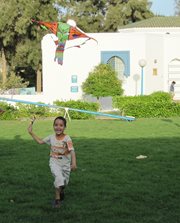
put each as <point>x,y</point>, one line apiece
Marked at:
<point>123,12</point>
<point>88,14</point>
<point>177,7</point>
<point>19,38</point>
<point>109,15</point>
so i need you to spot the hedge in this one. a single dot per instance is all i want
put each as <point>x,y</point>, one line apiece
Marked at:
<point>158,104</point>
<point>10,113</point>
<point>27,111</point>
<point>91,106</point>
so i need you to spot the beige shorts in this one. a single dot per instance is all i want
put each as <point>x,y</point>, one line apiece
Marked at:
<point>60,169</point>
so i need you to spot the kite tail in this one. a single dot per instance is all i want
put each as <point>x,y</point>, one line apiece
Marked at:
<point>59,53</point>
<point>93,39</point>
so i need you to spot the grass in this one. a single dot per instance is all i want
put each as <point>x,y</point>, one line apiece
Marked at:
<point>110,185</point>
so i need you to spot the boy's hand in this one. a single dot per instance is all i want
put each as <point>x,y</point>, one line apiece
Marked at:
<point>31,124</point>
<point>30,128</point>
<point>73,167</point>
<point>33,120</point>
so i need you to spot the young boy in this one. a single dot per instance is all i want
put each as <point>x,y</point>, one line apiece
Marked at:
<point>62,156</point>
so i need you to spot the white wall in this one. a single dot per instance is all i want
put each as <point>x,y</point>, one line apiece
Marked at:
<point>57,78</point>
<point>155,59</point>
<point>172,50</point>
<point>156,48</point>
<point>77,61</point>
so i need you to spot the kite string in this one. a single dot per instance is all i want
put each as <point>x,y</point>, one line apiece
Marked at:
<point>77,45</point>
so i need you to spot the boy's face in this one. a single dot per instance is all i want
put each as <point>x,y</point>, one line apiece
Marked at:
<point>59,127</point>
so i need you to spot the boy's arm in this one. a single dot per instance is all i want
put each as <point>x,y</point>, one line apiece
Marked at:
<point>35,137</point>
<point>73,160</point>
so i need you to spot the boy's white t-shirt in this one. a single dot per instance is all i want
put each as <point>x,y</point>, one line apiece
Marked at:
<point>59,148</point>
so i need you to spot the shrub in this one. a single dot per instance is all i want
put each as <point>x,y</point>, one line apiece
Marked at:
<point>91,106</point>
<point>158,104</point>
<point>161,97</point>
<point>28,110</point>
<point>102,82</point>
<point>25,111</point>
<point>10,113</point>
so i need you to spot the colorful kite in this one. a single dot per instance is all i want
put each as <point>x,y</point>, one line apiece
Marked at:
<point>64,32</point>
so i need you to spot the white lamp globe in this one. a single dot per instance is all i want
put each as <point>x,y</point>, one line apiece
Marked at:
<point>142,63</point>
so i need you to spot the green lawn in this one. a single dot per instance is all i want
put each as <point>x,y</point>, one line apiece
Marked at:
<point>110,185</point>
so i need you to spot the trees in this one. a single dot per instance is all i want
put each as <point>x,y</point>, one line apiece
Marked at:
<point>102,82</point>
<point>109,15</point>
<point>13,82</point>
<point>19,38</point>
<point>123,12</point>
<point>177,12</point>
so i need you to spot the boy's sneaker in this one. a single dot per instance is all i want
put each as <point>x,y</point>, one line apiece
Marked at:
<point>56,203</point>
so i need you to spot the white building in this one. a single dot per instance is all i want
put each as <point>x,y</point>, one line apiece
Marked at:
<point>155,40</point>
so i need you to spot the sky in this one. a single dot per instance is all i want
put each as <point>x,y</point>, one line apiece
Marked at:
<point>163,7</point>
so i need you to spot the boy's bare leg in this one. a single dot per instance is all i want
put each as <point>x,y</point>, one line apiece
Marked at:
<point>56,203</point>
<point>59,196</point>
<point>62,193</point>
<point>57,193</point>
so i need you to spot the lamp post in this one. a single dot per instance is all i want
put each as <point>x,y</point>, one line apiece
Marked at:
<point>142,64</point>
<point>136,78</point>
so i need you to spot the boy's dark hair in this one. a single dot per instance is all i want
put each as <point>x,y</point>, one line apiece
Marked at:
<point>60,118</point>
<point>173,82</point>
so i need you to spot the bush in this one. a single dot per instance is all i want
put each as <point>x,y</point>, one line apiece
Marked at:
<point>25,111</point>
<point>29,110</point>
<point>158,104</point>
<point>10,113</point>
<point>161,97</point>
<point>91,106</point>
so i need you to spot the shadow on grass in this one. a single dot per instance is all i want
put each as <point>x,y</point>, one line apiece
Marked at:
<point>110,184</point>
<point>170,121</point>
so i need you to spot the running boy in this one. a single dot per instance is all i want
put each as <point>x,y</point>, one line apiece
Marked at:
<point>62,156</point>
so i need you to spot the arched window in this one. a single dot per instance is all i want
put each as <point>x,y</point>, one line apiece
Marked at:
<point>118,65</point>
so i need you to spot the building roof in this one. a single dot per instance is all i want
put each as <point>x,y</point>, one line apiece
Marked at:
<point>155,22</point>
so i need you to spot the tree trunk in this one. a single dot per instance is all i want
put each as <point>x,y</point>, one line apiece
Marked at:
<point>39,81</point>
<point>4,66</point>
<point>98,101</point>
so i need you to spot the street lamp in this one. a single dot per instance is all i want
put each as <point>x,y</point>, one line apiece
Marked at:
<point>142,64</point>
